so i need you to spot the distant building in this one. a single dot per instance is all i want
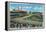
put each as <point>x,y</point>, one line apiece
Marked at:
<point>18,13</point>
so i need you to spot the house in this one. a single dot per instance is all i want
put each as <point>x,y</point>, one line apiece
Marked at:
<point>18,13</point>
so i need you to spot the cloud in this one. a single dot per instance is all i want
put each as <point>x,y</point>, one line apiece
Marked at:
<point>23,7</point>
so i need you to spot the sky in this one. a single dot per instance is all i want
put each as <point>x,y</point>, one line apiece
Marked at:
<point>34,7</point>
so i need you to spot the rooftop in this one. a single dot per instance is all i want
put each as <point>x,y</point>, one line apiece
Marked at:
<point>18,11</point>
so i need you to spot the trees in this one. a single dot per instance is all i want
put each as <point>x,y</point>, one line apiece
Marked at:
<point>29,12</point>
<point>13,9</point>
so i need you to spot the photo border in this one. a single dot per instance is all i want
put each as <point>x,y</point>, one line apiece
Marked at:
<point>6,15</point>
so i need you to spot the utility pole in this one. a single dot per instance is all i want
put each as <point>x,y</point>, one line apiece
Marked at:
<point>18,7</point>
<point>21,7</point>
